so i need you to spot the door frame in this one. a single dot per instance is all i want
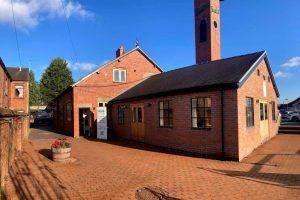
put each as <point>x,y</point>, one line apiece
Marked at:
<point>266,134</point>
<point>137,128</point>
<point>80,118</point>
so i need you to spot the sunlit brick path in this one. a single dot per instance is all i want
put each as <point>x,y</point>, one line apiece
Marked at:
<point>116,170</point>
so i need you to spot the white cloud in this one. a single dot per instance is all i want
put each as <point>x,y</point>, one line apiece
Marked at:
<point>293,62</point>
<point>29,13</point>
<point>84,66</point>
<point>81,66</point>
<point>281,74</point>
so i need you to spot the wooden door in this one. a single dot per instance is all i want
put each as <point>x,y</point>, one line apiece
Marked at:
<point>137,122</point>
<point>264,120</point>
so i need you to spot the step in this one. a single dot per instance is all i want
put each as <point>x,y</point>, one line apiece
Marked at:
<point>289,127</point>
<point>289,131</point>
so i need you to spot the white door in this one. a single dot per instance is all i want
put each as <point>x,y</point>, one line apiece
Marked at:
<point>264,121</point>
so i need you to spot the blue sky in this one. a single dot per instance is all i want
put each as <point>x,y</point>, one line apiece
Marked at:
<point>165,30</point>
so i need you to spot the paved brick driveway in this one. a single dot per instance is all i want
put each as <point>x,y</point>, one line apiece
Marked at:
<point>116,170</point>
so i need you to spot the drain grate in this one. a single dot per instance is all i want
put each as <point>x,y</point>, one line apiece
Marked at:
<point>153,193</point>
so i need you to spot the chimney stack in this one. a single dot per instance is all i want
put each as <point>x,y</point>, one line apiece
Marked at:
<point>120,52</point>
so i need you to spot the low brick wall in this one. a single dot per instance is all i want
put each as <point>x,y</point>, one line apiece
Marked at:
<point>14,128</point>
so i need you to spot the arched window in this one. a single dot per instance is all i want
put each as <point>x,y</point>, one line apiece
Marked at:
<point>203,31</point>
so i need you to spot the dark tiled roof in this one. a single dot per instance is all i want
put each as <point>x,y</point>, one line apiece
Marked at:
<point>216,73</point>
<point>17,74</point>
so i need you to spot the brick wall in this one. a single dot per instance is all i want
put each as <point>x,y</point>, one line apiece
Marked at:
<point>13,130</point>
<point>182,136</point>
<point>62,121</point>
<point>250,138</point>
<point>5,86</point>
<point>100,87</point>
<point>19,103</point>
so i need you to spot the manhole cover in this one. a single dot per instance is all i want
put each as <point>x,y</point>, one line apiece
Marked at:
<point>153,193</point>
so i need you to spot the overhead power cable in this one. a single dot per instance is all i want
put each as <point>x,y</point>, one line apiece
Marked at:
<point>69,31</point>
<point>16,33</point>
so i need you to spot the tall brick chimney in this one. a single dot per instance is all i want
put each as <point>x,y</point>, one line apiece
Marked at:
<point>120,52</point>
<point>207,30</point>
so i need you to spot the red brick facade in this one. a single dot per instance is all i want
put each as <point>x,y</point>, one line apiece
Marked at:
<point>19,103</point>
<point>239,140</point>
<point>99,87</point>
<point>5,86</point>
<point>250,138</point>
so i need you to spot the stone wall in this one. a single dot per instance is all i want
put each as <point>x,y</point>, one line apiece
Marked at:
<point>13,130</point>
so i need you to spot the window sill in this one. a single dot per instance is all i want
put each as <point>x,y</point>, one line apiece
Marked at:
<point>204,129</point>
<point>119,81</point>
<point>165,126</point>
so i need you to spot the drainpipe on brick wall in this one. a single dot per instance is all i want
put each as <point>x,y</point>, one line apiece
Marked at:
<point>222,124</point>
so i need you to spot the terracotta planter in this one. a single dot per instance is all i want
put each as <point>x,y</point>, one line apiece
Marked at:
<point>61,154</point>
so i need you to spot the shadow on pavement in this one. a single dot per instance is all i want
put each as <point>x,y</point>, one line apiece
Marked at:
<point>33,179</point>
<point>291,181</point>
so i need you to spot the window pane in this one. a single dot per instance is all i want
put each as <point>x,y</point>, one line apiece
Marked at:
<point>273,111</point>
<point>266,111</point>
<point>201,102</point>
<point>161,105</point>
<point>261,111</point>
<point>208,112</point>
<point>201,122</point>
<point>208,122</point>
<point>140,116</point>
<point>194,103</point>
<point>123,75</point>
<point>207,102</point>
<point>249,112</point>
<point>165,113</point>
<point>116,75</point>
<point>133,114</point>
<point>194,112</point>
<point>200,112</point>
<point>161,122</point>
<point>19,91</point>
<point>194,123</point>
<point>161,113</point>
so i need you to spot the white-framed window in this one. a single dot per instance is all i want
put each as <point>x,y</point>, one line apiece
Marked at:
<point>119,75</point>
<point>19,91</point>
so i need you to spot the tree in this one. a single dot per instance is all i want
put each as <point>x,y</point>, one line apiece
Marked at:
<point>34,90</point>
<point>55,80</point>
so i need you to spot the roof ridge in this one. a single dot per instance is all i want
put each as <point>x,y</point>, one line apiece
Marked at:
<point>181,68</point>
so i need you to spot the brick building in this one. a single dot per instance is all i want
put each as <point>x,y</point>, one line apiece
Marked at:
<point>218,107</point>
<point>4,85</point>
<point>19,87</point>
<point>76,108</point>
<point>14,92</point>
<point>14,121</point>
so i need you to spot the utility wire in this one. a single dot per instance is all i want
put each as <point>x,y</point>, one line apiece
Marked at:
<point>16,33</point>
<point>69,31</point>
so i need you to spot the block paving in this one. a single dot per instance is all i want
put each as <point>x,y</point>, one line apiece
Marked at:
<point>117,169</point>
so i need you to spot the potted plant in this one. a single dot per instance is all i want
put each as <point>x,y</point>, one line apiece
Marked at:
<point>61,150</point>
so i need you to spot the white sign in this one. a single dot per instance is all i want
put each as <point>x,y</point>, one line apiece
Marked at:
<point>102,123</point>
